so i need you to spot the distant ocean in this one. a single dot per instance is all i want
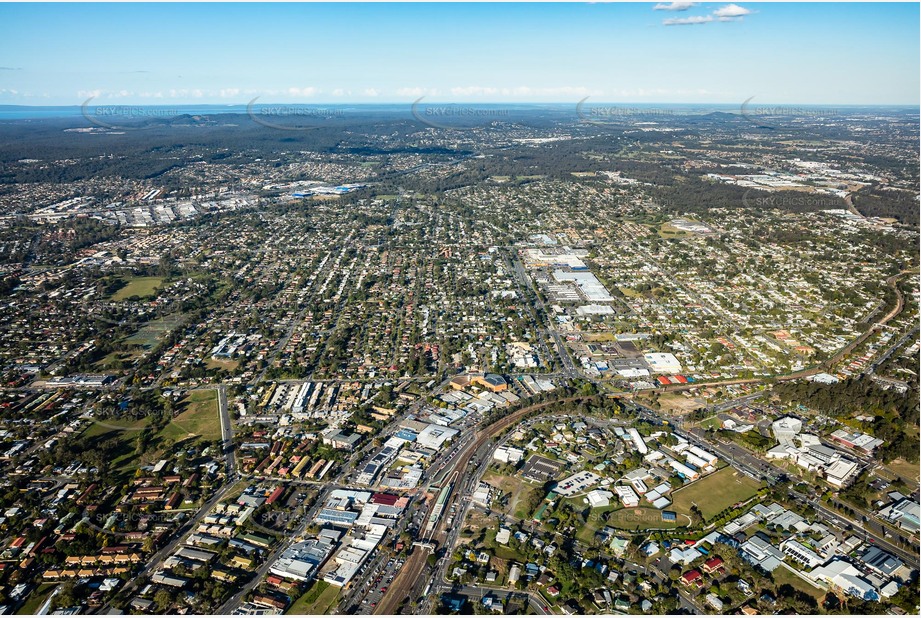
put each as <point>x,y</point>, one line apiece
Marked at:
<point>25,112</point>
<point>28,112</point>
<point>20,112</point>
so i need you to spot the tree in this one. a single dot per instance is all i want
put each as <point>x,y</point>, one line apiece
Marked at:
<point>163,599</point>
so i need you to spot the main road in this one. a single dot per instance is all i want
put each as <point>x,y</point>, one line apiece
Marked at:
<point>226,432</point>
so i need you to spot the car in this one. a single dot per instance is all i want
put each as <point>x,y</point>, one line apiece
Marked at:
<point>374,604</point>
<point>384,589</point>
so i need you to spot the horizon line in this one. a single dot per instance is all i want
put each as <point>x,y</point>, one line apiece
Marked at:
<point>437,102</point>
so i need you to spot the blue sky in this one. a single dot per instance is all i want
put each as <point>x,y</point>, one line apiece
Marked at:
<point>861,54</point>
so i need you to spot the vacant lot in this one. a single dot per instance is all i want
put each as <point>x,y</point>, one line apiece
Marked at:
<point>599,337</point>
<point>520,493</point>
<point>714,493</point>
<point>677,403</point>
<point>142,287</point>
<point>227,364</point>
<point>101,427</point>
<point>199,417</point>
<point>908,471</point>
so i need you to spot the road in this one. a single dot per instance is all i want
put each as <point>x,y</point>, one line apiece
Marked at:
<point>741,401</point>
<point>226,432</point>
<point>849,201</point>
<point>535,322</point>
<point>568,365</point>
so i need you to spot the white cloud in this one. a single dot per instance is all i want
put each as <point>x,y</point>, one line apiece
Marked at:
<point>229,93</point>
<point>520,91</point>
<point>184,93</point>
<point>674,6</point>
<point>371,92</point>
<point>732,10</point>
<point>729,12</point>
<point>472,91</point>
<point>417,91</point>
<point>687,21</point>
<point>339,92</point>
<point>302,92</point>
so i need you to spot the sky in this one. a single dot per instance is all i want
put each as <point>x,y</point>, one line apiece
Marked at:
<point>675,52</point>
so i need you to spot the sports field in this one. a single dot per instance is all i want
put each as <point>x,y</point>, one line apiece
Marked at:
<point>142,287</point>
<point>714,493</point>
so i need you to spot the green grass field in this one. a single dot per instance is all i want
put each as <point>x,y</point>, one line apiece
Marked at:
<point>124,457</point>
<point>142,287</point>
<point>712,422</point>
<point>99,428</point>
<point>198,417</point>
<point>668,230</point>
<point>318,599</point>
<point>781,575</point>
<point>714,493</point>
<point>118,359</point>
